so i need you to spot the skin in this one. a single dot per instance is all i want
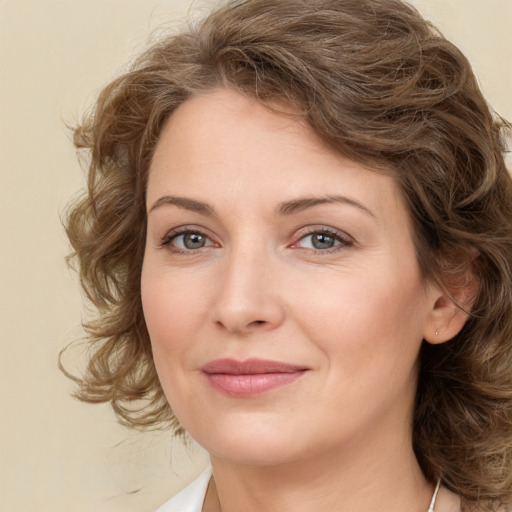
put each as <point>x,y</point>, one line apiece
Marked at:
<point>354,314</point>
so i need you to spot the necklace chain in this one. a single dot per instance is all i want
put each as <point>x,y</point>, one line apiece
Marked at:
<point>434,497</point>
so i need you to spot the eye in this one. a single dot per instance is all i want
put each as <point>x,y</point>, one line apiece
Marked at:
<point>187,240</point>
<point>322,240</point>
<point>319,241</point>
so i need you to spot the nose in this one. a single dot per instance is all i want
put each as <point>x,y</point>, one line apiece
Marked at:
<point>248,295</point>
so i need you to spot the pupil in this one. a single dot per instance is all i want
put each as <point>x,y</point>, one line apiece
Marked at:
<point>193,241</point>
<point>323,241</point>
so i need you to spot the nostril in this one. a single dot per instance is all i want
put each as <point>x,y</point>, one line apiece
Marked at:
<point>254,323</point>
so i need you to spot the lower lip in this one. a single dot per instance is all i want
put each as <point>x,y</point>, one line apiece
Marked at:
<point>247,386</point>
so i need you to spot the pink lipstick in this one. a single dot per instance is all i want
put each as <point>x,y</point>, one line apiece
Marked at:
<point>245,379</point>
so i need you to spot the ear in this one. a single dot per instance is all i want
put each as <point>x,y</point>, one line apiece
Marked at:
<point>451,303</point>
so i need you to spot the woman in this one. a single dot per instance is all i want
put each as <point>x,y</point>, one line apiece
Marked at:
<point>298,236</point>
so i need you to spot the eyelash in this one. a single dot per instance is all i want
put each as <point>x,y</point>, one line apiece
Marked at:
<point>173,235</point>
<point>343,239</point>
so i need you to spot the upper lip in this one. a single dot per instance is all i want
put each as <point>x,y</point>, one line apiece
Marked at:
<point>250,367</point>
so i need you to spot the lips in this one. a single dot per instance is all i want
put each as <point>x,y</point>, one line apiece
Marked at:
<point>253,377</point>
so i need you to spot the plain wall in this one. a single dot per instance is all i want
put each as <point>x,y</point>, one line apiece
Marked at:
<point>57,454</point>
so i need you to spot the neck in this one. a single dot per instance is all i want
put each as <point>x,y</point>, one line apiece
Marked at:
<point>361,477</point>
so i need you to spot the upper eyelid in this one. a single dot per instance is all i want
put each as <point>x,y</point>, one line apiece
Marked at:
<point>186,228</point>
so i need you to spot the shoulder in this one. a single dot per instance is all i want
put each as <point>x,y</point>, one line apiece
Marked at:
<point>450,502</point>
<point>191,498</point>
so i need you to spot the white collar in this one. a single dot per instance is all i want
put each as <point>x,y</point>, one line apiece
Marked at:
<point>191,498</point>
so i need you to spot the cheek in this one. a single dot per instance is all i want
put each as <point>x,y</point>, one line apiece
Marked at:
<point>172,311</point>
<point>363,322</point>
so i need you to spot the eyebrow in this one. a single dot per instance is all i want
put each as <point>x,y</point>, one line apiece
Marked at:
<point>285,208</point>
<point>303,203</point>
<point>185,203</point>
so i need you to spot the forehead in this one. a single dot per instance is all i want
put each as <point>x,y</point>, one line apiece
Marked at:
<point>210,127</point>
<point>220,145</point>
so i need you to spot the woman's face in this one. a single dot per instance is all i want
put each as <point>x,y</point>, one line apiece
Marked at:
<point>280,287</point>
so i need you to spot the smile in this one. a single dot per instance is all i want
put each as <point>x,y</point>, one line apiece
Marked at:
<point>246,379</point>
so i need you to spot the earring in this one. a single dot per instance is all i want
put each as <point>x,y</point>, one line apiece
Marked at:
<point>437,333</point>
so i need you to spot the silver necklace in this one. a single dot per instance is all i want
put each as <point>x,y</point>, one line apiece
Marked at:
<point>434,497</point>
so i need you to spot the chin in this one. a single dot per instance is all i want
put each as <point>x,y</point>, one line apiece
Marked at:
<point>253,453</point>
<point>251,442</point>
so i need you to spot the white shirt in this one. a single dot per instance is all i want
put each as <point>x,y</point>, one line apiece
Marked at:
<point>191,498</point>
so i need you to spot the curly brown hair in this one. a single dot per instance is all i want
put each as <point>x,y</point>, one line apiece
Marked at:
<point>380,85</point>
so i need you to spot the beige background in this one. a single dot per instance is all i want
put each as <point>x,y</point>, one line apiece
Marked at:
<point>57,454</point>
